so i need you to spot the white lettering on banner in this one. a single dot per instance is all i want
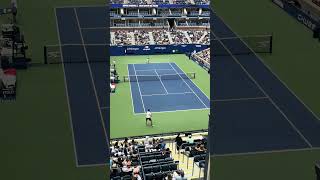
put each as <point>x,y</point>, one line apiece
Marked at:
<point>146,48</point>
<point>142,5</point>
<point>306,22</point>
<point>132,49</point>
<point>279,3</point>
<point>198,45</point>
<point>161,48</point>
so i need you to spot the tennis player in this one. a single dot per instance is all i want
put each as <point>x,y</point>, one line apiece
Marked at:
<point>148,60</point>
<point>148,117</point>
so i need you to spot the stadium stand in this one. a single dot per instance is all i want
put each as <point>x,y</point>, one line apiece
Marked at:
<point>158,157</point>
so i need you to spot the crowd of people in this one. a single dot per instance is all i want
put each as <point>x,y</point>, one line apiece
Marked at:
<point>160,37</point>
<point>124,161</point>
<point>195,35</point>
<point>141,37</point>
<point>179,37</point>
<point>203,56</point>
<point>122,37</point>
<point>136,159</point>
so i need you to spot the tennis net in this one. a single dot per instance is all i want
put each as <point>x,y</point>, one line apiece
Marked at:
<point>75,53</point>
<point>242,45</point>
<point>141,78</point>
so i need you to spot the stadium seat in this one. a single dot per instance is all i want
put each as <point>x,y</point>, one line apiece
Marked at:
<point>159,156</point>
<point>145,158</point>
<point>173,166</point>
<point>126,177</point>
<point>147,170</point>
<point>156,169</point>
<point>159,176</point>
<point>165,167</point>
<point>149,176</point>
<point>116,178</point>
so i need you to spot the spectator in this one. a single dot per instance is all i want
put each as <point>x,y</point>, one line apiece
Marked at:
<point>169,176</point>
<point>178,142</point>
<point>190,139</point>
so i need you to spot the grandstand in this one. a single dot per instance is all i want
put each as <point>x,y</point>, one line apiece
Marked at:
<point>152,27</point>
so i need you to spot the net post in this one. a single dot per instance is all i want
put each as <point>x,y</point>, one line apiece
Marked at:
<point>271,44</point>
<point>45,54</point>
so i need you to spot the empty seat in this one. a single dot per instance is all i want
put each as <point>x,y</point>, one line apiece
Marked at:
<point>165,167</point>
<point>159,176</point>
<point>159,156</point>
<point>156,169</point>
<point>149,176</point>
<point>127,177</point>
<point>173,166</point>
<point>145,158</point>
<point>116,178</point>
<point>147,170</point>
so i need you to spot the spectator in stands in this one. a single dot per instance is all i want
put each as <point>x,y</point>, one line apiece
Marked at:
<point>178,142</point>
<point>169,176</point>
<point>133,142</point>
<point>136,170</point>
<point>162,144</point>
<point>166,152</point>
<point>190,139</point>
<point>179,175</point>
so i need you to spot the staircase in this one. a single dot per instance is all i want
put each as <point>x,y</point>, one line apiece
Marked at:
<point>185,163</point>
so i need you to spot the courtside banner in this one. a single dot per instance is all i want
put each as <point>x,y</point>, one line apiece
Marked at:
<point>156,49</point>
<point>205,6</point>
<point>297,14</point>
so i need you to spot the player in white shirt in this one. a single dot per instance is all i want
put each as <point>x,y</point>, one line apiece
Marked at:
<point>148,117</point>
<point>148,60</point>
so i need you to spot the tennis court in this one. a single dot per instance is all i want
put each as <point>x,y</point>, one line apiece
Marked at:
<point>254,111</point>
<point>83,47</point>
<point>164,87</point>
<point>175,100</point>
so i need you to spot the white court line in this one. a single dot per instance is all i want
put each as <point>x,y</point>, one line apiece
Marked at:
<point>139,88</point>
<point>239,99</point>
<point>133,110</point>
<point>92,81</point>
<point>264,152</point>
<point>168,94</point>
<point>161,81</point>
<point>66,91</point>
<point>93,28</point>
<point>156,69</point>
<point>189,86</point>
<point>92,165</point>
<point>314,114</point>
<point>200,109</point>
<point>262,90</point>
